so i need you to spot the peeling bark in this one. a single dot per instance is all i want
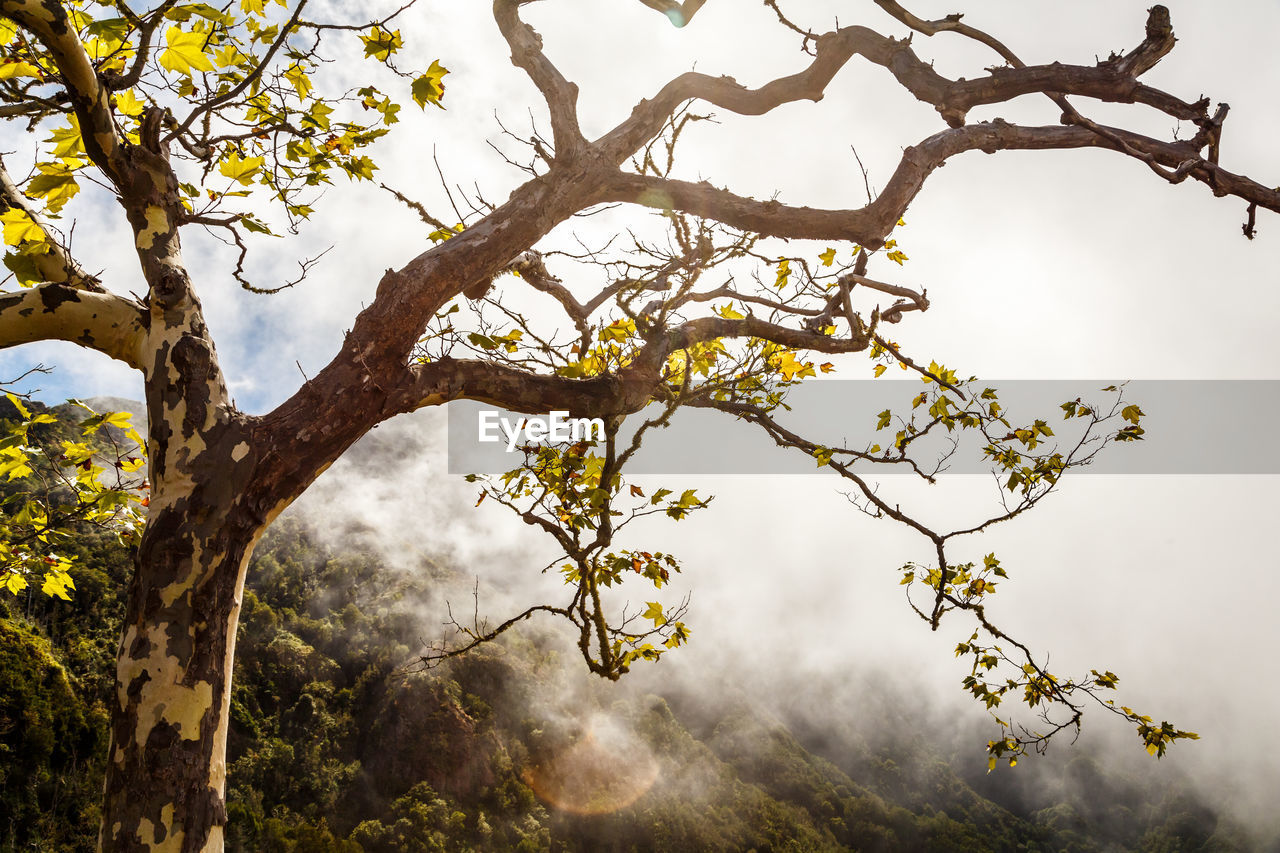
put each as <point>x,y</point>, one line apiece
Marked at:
<point>166,774</point>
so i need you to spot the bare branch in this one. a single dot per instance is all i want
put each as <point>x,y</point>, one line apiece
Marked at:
<point>871,224</point>
<point>417,208</point>
<point>1112,80</point>
<point>560,94</point>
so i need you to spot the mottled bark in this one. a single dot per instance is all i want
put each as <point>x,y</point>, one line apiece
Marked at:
<point>167,769</point>
<point>166,776</point>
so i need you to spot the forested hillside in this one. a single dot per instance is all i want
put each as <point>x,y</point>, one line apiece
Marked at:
<point>340,744</point>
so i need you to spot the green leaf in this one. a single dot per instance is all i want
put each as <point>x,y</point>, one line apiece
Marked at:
<point>22,264</point>
<point>318,115</point>
<point>255,226</point>
<point>361,168</point>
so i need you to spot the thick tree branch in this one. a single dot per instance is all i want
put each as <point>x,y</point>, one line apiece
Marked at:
<point>649,116</point>
<point>560,94</point>
<point>33,108</point>
<point>870,225</point>
<point>1157,44</point>
<point>104,322</point>
<point>678,13</point>
<point>147,27</point>
<point>625,392</point>
<point>48,22</point>
<point>521,391</point>
<point>1111,80</point>
<point>371,377</point>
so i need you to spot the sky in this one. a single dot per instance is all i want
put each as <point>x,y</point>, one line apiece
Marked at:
<point>1042,265</point>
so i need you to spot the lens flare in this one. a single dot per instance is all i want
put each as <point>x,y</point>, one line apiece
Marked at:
<point>603,771</point>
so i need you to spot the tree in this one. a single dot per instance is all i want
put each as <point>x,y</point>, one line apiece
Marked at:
<point>190,115</point>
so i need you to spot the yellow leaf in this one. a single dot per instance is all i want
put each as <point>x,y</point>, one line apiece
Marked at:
<point>380,43</point>
<point>784,271</point>
<point>15,583</point>
<point>128,104</point>
<point>828,257</point>
<point>185,52</point>
<point>429,88</point>
<point>789,366</point>
<point>66,141</point>
<point>119,420</point>
<point>10,69</point>
<point>19,228</point>
<point>228,56</point>
<point>56,184</point>
<point>241,170</point>
<point>252,7</point>
<point>297,77</point>
<point>57,583</point>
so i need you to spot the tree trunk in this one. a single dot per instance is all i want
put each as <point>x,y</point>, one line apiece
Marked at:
<point>218,479</point>
<point>166,771</point>
<point>166,774</point>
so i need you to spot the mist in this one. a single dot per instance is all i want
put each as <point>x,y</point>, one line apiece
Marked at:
<point>797,615</point>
